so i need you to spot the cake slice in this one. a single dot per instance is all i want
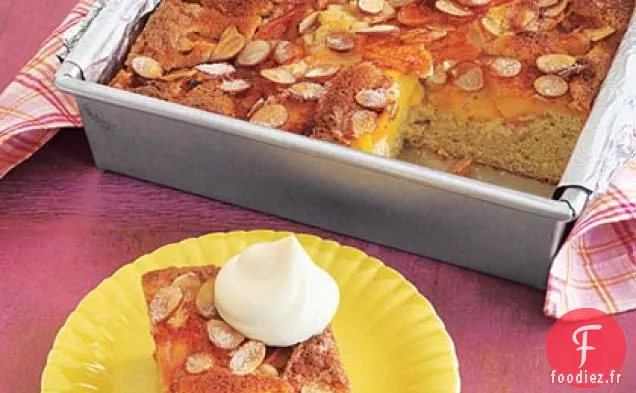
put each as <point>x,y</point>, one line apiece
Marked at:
<point>196,351</point>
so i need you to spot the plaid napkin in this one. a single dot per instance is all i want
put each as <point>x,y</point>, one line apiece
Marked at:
<point>595,268</point>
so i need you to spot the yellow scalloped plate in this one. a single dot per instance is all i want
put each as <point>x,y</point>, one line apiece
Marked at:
<point>390,337</point>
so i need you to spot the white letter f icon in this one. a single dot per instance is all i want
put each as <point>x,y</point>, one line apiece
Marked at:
<point>583,345</point>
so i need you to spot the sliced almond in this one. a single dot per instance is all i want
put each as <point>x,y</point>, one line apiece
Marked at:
<point>147,67</point>
<point>438,77</point>
<point>387,13</point>
<point>546,3</point>
<point>371,6</point>
<point>492,26</point>
<point>372,98</point>
<point>189,283</point>
<point>448,64</point>
<point>505,67</point>
<point>284,52</point>
<point>234,85</point>
<point>230,44</point>
<point>247,358</point>
<point>165,301</point>
<point>363,122</point>
<point>267,369</point>
<point>555,62</point>
<point>379,29</point>
<point>550,86</point>
<point>179,74</point>
<point>308,22</point>
<point>254,53</point>
<point>400,3</point>
<point>556,9</point>
<point>270,115</point>
<point>450,8</point>
<point>599,34</point>
<point>199,362</point>
<point>340,41</point>
<point>178,318</point>
<point>257,105</point>
<point>322,72</point>
<point>278,75</point>
<point>475,3</point>
<point>468,77</point>
<point>216,69</point>
<point>204,301</point>
<point>223,335</point>
<point>525,18</point>
<point>297,69</point>
<point>307,90</point>
<point>316,387</point>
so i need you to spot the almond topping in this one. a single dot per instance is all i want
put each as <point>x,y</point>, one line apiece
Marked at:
<point>475,3</point>
<point>297,69</point>
<point>247,358</point>
<point>546,3</point>
<point>308,22</point>
<point>234,86</point>
<point>322,72</point>
<point>555,62</point>
<point>340,41</point>
<point>551,86</point>
<point>179,74</point>
<point>378,29</point>
<point>278,75</point>
<point>307,91</point>
<point>189,283</point>
<point>147,67</point>
<point>492,26</point>
<point>267,369</point>
<point>506,67</point>
<point>254,53</point>
<point>204,301</point>
<point>363,122</point>
<point>270,115</point>
<point>598,34</point>
<point>438,77</point>
<point>230,44</point>
<point>371,6</point>
<point>166,300</point>
<point>372,98</point>
<point>556,10</point>
<point>217,69</point>
<point>451,8</point>
<point>386,14</point>
<point>199,362</point>
<point>400,3</point>
<point>284,52</point>
<point>223,335</point>
<point>468,77</point>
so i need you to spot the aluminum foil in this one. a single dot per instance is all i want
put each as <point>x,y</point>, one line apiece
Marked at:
<point>118,20</point>
<point>607,141</point>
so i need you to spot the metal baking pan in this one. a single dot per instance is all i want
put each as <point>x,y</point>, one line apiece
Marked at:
<point>485,227</point>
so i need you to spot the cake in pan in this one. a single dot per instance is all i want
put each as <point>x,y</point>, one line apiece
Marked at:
<point>504,83</point>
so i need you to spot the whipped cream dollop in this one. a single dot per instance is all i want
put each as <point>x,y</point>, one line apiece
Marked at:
<point>275,293</point>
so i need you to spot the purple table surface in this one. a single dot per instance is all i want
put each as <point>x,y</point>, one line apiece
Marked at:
<point>65,226</point>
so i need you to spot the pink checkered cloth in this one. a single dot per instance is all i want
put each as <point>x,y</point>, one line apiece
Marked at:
<point>595,268</point>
